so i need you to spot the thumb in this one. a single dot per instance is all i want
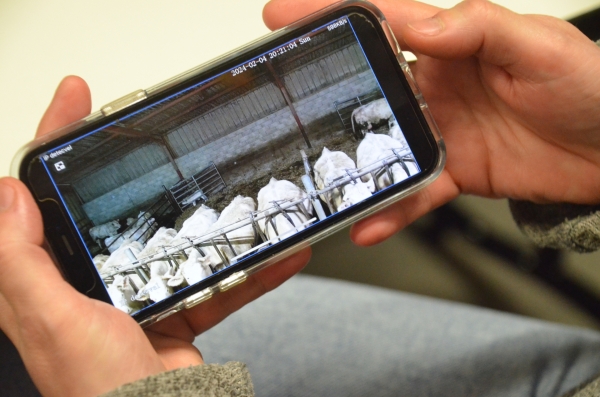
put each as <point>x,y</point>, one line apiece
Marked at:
<point>518,43</point>
<point>28,277</point>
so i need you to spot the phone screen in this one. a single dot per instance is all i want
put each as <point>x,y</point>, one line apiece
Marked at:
<point>219,170</point>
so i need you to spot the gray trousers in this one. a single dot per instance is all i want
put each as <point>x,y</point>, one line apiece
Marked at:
<point>321,337</point>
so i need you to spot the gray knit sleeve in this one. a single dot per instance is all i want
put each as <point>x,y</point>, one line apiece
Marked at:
<point>569,226</point>
<point>209,380</point>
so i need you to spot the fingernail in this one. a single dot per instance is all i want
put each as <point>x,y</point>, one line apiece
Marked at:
<point>429,26</point>
<point>7,196</point>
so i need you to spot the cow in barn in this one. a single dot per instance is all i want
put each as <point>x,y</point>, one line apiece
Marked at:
<point>332,166</point>
<point>194,197</point>
<point>161,239</point>
<point>354,192</point>
<point>377,147</point>
<point>156,289</point>
<point>395,132</point>
<point>291,220</point>
<point>196,225</point>
<point>140,230</point>
<point>122,294</point>
<point>107,229</point>
<point>99,261</point>
<point>121,258</point>
<point>241,239</point>
<point>192,271</point>
<point>368,117</point>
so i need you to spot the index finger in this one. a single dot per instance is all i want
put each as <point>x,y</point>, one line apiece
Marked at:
<point>279,13</point>
<point>72,101</point>
<point>208,314</point>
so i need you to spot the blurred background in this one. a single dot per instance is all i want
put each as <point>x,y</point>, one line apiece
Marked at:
<point>469,251</point>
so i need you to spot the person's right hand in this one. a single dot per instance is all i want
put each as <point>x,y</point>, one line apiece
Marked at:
<point>516,97</point>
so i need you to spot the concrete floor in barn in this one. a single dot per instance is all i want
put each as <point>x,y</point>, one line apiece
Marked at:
<point>473,276</point>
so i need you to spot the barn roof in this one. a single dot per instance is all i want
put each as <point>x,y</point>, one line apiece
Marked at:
<point>152,125</point>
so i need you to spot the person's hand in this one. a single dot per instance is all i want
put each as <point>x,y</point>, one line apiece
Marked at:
<point>76,346</point>
<point>516,97</point>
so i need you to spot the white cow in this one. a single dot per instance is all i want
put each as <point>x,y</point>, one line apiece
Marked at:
<point>288,223</point>
<point>376,147</point>
<point>194,197</point>
<point>372,115</point>
<point>157,288</point>
<point>122,294</point>
<point>99,261</point>
<point>354,192</point>
<point>332,166</point>
<point>141,230</point>
<point>105,230</point>
<point>241,238</point>
<point>395,132</point>
<point>192,271</point>
<point>162,238</point>
<point>197,224</point>
<point>120,257</point>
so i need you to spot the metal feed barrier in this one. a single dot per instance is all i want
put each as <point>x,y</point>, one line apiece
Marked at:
<point>219,237</point>
<point>160,209</point>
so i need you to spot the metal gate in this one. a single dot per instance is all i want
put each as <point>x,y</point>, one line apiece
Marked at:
<point>345,108</point>
<point>197,188</point>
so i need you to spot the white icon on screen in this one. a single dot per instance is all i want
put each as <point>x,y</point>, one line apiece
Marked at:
<point>46,157</point>
<point>60,166</point>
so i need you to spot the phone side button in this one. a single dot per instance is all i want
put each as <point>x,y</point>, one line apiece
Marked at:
<point>198,298</point>
<point>123,102</point>
<point>165,315</point>
<point>232,281</point>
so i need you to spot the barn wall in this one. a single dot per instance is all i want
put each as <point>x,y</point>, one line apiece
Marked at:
<point>126,169</point>
<point>301,83</point>
<point>278,127</point>
<point>324,72</point>
<point>209,127</point>
<point>122,200</point>
<point>226,152</point>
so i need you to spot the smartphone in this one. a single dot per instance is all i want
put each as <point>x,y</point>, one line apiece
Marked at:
<point>172,194</point>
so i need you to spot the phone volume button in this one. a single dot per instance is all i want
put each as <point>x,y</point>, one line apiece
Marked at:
<point>232,281</point>
<point>123,102</point>
<point>198,298</point>
<point>166,314</point>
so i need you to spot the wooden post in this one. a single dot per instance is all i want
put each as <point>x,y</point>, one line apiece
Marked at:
<point>288,101</point>
<point>171,155</point>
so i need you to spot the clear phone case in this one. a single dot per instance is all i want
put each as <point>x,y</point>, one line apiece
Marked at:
<point>141,95</point>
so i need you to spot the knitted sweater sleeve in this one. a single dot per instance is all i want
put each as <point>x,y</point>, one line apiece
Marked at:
<point>561,226</point>
<point>209,380</point>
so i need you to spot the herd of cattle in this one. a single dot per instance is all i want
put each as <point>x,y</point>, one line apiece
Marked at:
<point>148,264</point>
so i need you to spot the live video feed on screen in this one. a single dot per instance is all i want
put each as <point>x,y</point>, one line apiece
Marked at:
<point>211,175</point>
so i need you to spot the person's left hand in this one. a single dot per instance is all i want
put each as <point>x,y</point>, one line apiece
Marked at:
<point>76,346</point>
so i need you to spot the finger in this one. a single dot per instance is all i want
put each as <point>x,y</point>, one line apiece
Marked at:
<point>174,352</point>
<point>518,43</point>
<point>394,218</point>
<point>215,310</point>
<point>279,13</point>
<point>71,102</point>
